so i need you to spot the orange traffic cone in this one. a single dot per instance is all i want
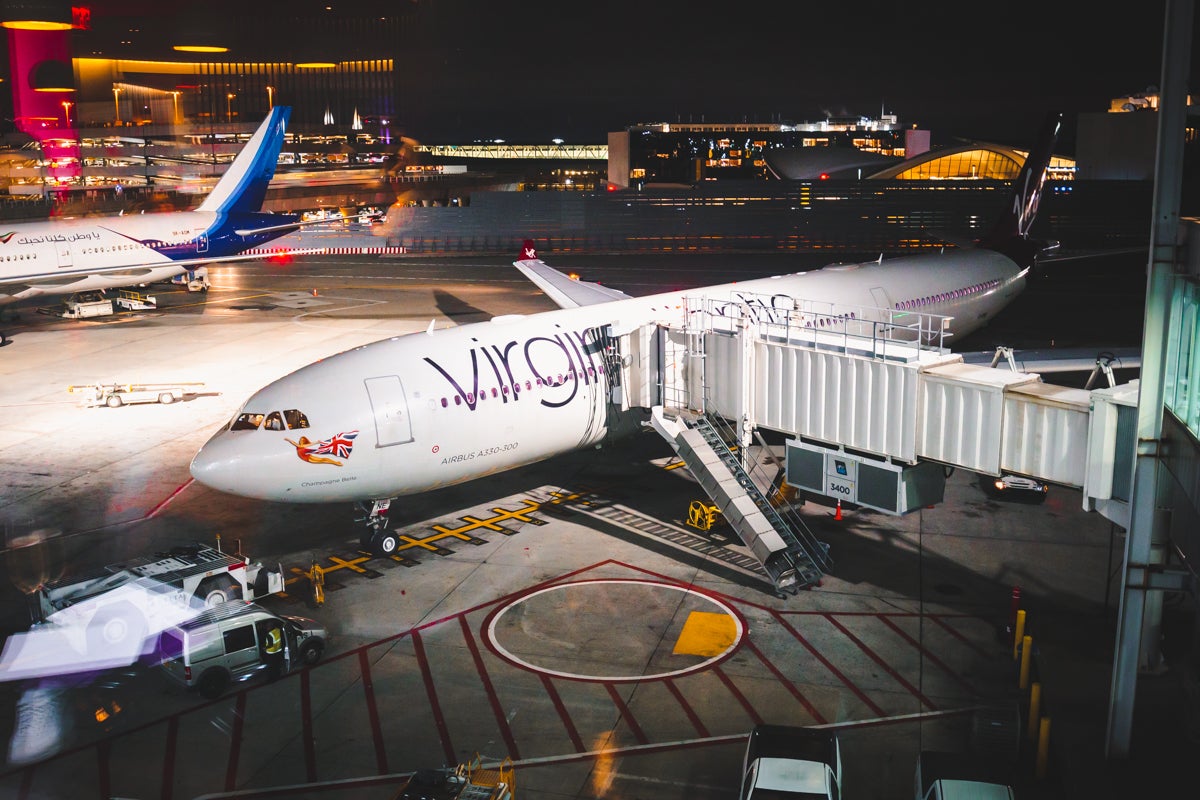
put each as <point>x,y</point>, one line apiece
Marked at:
<point>314,292</point>
<point>837,515</point>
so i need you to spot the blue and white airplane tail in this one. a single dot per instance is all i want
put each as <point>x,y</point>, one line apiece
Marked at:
<point>243,187</point>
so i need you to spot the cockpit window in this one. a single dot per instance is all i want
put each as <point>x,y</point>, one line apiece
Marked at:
<point>246,422</point>
<point>274,421</point>
<point>295,419</point>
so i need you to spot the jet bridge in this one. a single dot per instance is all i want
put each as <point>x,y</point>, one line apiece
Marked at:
<point>877,407</point>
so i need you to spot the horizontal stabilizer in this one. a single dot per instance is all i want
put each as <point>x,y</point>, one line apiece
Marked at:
<point>563,289</point>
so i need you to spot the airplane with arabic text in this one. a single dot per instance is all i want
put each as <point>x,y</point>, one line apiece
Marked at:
<point>427,410</point>
<point>65,256</point>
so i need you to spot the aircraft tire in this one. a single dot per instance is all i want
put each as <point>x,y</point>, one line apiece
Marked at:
<point>212,683</point>
<point>113,401</point>
<point>384,543</point>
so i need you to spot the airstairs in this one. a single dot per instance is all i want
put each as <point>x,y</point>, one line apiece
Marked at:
<point>792,557</point>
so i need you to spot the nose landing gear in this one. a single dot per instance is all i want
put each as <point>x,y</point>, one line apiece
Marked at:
<point>376,538</point>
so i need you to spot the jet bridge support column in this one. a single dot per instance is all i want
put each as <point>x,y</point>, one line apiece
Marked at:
<point>746,336</point>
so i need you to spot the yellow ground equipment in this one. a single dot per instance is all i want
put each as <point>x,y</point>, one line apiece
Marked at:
<point>703,516</point>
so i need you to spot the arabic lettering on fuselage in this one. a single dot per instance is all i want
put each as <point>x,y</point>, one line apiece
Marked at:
<point>58,237</point>
<point>562,363</point>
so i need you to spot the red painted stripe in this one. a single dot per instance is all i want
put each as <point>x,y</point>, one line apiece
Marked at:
<point>737,694</point>
<point>235,741</point>
<point>364,668</point>
<point>787,684</point>
<point>306,723</point>
<point>832,669</point>
<point>556,699</point>
<point>940,621</point>
<point>168,773</point>
<point>928,656</point>
<point>687,709</point>
<point>882,664</point>
<point>438,719</point>
<point>486,680</point>
<point>169,498</point>
<point>104,775</point>
<point>625,715</point>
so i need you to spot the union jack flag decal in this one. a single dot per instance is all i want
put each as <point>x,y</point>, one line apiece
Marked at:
<point>339,445</point>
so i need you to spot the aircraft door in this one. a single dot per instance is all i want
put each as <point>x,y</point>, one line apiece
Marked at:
<point>390,405</point>
<point>202,244</point>
<point>63,251</point>
<point>880,297</point>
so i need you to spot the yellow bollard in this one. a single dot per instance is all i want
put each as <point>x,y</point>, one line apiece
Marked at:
<point>1043,748</point>
<point>1035,702</point>
<point>1019,632</point>
<point>1026,657</point>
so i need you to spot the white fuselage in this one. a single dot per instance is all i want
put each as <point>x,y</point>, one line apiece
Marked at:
<point>422,411</point>
<point>78,255</point>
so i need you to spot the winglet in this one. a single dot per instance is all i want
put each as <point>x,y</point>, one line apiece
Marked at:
<point>564,290</point>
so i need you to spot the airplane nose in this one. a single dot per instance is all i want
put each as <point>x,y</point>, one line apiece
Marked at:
<point>216,466</point>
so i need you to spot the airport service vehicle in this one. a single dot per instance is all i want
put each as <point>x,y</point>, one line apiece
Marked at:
<point>196,280</point>
<point>129,300</point>
<point>467,781</point>
<point>959,776</point>
<point>115,395</point>
<point>1014,487</point>
<point>228,644</point>
<point>86,307</point>
<point>193,572</point>
<point>791,763</point>
<point>105,618</point>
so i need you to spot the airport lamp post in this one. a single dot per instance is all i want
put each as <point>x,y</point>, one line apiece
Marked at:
<point>270,97</point>
<point>117,103</point>
<point>175,97</point>
<point>66,104</point>
<point>229,107</point>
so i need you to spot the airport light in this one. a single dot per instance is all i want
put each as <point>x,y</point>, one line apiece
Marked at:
<point>36,15</point>
<point>175,97</point>
<point>66,104</point>
<point>117,103</point>
<point>270,97</point>
<point>229,107</point>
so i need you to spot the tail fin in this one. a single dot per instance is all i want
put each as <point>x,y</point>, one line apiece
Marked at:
<point>1017,219</point>
<point>244,185</point>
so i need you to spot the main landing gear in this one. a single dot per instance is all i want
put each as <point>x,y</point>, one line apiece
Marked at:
<point>377,538</point>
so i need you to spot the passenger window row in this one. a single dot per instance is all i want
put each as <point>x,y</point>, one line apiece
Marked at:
<point>528,385</point>
<point>947,296</point>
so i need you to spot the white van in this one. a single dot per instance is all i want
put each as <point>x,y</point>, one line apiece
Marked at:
<point>229,643</point>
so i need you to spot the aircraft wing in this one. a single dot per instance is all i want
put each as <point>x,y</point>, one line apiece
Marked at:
<point>563,289</point>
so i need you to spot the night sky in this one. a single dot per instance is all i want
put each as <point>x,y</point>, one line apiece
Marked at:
<point>988,71</point>
<point>532,70</point>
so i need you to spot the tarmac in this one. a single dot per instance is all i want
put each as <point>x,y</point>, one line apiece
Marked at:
<point>564,616</point>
